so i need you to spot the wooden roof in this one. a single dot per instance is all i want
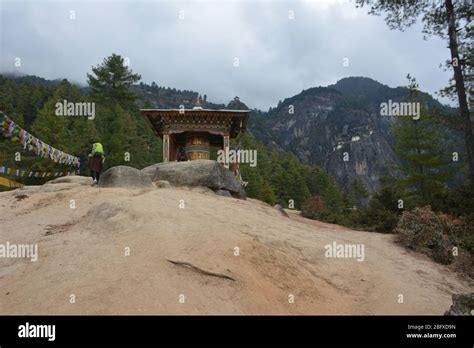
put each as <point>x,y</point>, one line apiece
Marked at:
<point>196,119</point>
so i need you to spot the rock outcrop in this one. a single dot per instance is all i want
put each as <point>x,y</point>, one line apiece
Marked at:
<point>73,179</point>
<point>126,177</point>
<point>134,251</point>
<point>162,184</point>
<point>338,128</point>
<point>223,193</point>
<point>463,304</point>
<point>196,173</point>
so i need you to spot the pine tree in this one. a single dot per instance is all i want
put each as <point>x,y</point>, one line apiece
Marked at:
<point>357,194</point>
<point>419,145</point>
<point>114,136</point>
<point>267,195</point>
<point>49,127</point>
<point>111,81</point>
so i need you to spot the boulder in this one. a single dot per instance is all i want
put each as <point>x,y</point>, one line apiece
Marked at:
<point>281,210</point>
<point>62,186</point>
<point>29,189</point>
<point>162,184</point>
<point>126,177</point>
<point>196,173</point>
<point>463,304</point>
<point>223,193</point>
<point>202,189</point>
<point>73,179</point>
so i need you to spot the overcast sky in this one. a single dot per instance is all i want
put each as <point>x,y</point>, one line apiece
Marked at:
<point>194,45</point>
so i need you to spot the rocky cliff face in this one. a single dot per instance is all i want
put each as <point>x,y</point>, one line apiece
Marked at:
<point>338,127</point>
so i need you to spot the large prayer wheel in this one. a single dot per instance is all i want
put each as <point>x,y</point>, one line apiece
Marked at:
<point>198,146</point>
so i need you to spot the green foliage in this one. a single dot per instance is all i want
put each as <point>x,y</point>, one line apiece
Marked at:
<point>436,235</point>
<point>32,106</point>
<point>423,230</point>
<point>23,99</point>
<point>357,194</point>
<point>451,21</point>
<point>73,132</point>
<point>267,192</point>
<point>117,124</point>
<point>315,208</point>
<point>380,215</point>
<point>375,217</point>
<point>110,82</point>
<point>422,149</point>
<point>457,202</point>
<point>127,139</point>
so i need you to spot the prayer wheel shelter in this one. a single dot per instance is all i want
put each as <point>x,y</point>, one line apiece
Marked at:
<point>195,130</point>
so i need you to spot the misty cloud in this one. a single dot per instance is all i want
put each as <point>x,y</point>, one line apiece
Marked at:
<point>278,56</point>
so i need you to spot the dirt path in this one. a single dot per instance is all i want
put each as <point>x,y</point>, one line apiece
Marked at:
<point>137,252</point>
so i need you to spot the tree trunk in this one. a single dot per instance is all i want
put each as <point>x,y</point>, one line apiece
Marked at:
<point>461,91</point>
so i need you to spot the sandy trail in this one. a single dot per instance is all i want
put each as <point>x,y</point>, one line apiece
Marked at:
<point>82,252</point>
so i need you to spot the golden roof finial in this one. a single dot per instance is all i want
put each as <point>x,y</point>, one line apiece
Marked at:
<point>198,106</point>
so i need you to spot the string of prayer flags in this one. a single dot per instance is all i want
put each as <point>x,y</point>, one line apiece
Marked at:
<point>9,129</point>
<point>33,174</point>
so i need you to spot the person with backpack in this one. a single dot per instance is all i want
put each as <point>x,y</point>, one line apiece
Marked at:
<point>181,155</point>
<point>96,161</point>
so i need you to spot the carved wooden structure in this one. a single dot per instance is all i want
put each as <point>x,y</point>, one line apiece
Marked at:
<point>195,130</point>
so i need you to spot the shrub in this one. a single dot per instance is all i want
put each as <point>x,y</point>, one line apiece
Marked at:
<point>463,263</point>
<point>423,230</point>
<point>464,234</point>
<point>381,214</point>
<point>315,208</point>
<point>457,202</point>
<point>436,235</point>
<point>373,219</point>
<point>313,205</point>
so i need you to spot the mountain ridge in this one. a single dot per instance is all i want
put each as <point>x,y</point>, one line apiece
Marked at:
<point>338,128</point>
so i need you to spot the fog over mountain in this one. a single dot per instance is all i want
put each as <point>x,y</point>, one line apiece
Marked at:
<point>281,48</point>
